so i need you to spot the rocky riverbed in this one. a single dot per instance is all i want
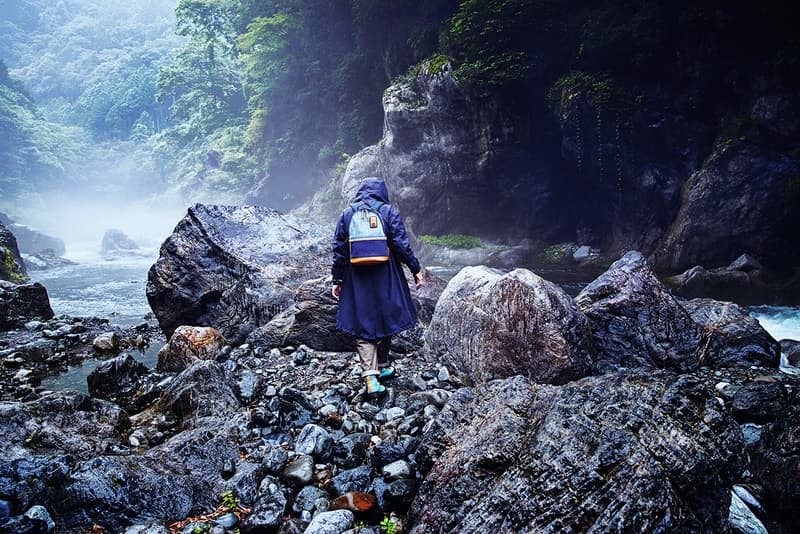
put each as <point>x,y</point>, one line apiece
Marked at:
<point>517,408</point>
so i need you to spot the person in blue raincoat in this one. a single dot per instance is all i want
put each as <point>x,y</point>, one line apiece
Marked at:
<point>374,300</point>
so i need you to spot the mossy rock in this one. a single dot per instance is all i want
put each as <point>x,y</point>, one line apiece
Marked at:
<point>10,269</point>
<point>456,241</point>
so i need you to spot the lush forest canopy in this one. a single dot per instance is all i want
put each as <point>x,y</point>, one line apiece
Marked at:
<point>261,101</point>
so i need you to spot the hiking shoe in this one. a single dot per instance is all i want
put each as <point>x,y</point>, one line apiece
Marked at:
<point>374,387</point>
<point>387,372</point>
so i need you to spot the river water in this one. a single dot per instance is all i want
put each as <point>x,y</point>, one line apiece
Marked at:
<point>116,290</point>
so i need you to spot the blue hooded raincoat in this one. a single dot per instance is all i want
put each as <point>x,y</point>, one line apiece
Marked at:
<point>375,300</point>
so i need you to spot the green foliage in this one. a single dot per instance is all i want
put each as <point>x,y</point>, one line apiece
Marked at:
<point>556,253</point>
<point>599,90</point>
<point>452,241</point>
<point>230,501</point>
<point>12,268</point>
<point>486,37</point>
<point>388,526</point>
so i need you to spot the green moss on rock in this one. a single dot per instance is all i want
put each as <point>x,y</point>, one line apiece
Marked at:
<point>452,241</point>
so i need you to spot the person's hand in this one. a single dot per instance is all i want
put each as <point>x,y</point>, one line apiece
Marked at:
<point>336,291</point>
<point>420,279</point>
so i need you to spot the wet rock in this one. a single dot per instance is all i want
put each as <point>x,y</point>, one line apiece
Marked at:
<point>204,389</point>
<point>645,449</point>
<point>315,441</point>
<point>20,304</point>
<point>356,479</point>
<point>759,401</point>
<point>269,508</point>
<point>351,450</point>
<point>29,480</point>
<point>730,336</point>
<point>489,325</point>
<point>45,260</point>
<point>636,322</point>
<point>250,385</point>
<point>244,483</point>
<point>146,529</point>
<point>60,422</point>
<point>274,461</point>
<point>41,513</point>
<point>791,349</point>
<point>116,244</point>
<point>116,380</point>
<point>742,519</point>
<point>189,344</point>
<point>397,470</point>
<point>299,472</point>
<point>775,464</point>
<point>106,342</point>
<point>311,321</point>
<point>234,267</point>
<point>381,455</point>
<point>307,498</point>
<point>333,522</point>
<point>24,525</point>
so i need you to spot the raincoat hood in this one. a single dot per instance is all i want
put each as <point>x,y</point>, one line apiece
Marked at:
<point>372,189</point>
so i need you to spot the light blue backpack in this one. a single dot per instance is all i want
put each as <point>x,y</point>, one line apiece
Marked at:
<point>368,244</point>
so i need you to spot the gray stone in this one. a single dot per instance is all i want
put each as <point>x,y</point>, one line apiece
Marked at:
<point>41,513</point>
<point>730,336</point>
<point>582,253</point>
<point>351,450</point>
<point>269,508</point>
<point>491,325</point>
<point>356,479</point>
<point>636,322</point>
<point>20,304</point>
<point>307,498</point>
<point>107,342</point>
<point>315,441</point>
<point>204,389</point>
<point>397,470</point>
<point>333,522</point>
<point>274,461</point>
<point>299,472</point>
<point>146,529</point>
<point>759,401</point>
<point>742,519</point>
<point>645,449</point>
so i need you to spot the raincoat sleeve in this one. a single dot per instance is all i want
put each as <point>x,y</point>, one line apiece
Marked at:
<point>399,240</point>
<point>339,248</point>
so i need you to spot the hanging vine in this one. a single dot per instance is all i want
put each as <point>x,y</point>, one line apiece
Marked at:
<point>599,128</point>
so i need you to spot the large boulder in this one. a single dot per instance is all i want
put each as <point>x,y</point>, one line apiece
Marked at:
<point>312,319</point>
<point>204,389</point>
<point>742,193</point>
<point>641,451</point>
<point>12,268</point>
<point>233,268</point>
<point>20,304</point>
<point>731,336</point>
<point>117,244</point>
<point>493,325</point>
<point>189,344</point>
<point>775,464</point>
<point>636,321</point>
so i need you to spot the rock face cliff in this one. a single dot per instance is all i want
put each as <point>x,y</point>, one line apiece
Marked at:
<point>602,166</point>
<point>455,164</point>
